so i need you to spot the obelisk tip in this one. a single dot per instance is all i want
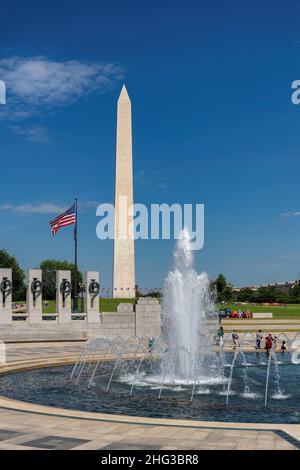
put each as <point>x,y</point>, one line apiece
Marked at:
<point>124,94</point>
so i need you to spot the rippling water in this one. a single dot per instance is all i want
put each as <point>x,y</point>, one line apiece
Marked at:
<point>52,387</point>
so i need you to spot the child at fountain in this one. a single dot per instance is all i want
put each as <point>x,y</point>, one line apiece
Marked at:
<point>269,343</point>
<point>283,347</point>
<point>150,343</point>
<point>220,334</point>
<point>259,337</point>
<point>235,338</point>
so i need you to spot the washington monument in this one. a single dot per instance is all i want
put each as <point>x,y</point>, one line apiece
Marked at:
<point>123,268</point>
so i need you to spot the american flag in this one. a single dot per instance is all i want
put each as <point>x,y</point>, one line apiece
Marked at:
<point>63,220</point>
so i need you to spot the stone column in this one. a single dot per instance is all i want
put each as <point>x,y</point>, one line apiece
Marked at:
<point>5,296</point>
<point>91,301</point>
<point>148,317</point>
<point>34,300</point>
<point>63,296</point>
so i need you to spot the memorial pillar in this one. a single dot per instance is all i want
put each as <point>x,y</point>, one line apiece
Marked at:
<point>34,296</point>
<point>91,301</point>
<point>5,296</point>
<point>63,296</point>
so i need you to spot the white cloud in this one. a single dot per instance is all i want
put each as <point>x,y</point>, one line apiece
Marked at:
<point>291,214</point>
<point>42,82</point>
<point>86,205</point>
<point>46,207</point>
<point>154,178</point>
<point>43,208</point>
<point>32,133</point>
<point>37,85</point>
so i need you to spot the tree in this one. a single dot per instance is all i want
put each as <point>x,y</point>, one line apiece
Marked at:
<point>295,292</point>
<point>153,293</point>
<point>221,283</point>
<point>246,295</point>
<point>223,289</point>
<point>18,275</point>
<point>49,268</point>
<point>283,298</point>
<point>267,294</point>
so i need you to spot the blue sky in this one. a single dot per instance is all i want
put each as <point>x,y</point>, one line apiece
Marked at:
<point>210,84</point>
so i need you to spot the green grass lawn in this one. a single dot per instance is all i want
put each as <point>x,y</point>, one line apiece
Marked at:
<point>51,307</point>
<point>291,311</point>
<point>106,305</point>
<point>110,305</point>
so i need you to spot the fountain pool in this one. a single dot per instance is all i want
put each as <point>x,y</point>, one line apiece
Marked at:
<point>53,387</point>
<point>179,375</point>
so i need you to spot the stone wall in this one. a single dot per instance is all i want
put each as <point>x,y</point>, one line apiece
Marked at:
<point>119,323</point>
<point>142,319</point>
<point>148,317</point>
<point>25,332</point>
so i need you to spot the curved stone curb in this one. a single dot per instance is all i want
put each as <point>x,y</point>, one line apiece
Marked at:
<point>292,430</point>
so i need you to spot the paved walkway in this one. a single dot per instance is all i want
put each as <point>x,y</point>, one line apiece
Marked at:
<point>20,430</point>
<point>28,426</point>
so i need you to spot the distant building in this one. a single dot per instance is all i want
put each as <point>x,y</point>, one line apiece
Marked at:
<point>283,287</point>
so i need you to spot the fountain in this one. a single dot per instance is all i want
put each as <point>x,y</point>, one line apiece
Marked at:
<point>246,336</point>
<point>185,350</point>
<point>129,352</point>
<point>181,374</point>
<point>272,355</point>
<point>114,348</point>
<point>186,329</point>
<point>234,360</point>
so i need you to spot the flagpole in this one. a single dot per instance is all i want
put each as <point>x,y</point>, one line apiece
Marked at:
<point>75,300</point>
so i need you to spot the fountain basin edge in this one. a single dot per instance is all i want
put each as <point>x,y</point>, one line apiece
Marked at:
<point>17,405</point>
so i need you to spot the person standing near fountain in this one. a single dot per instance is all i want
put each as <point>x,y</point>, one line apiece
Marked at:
<point>283,347</point>
<point>259,338</point>
<point>269,343</point>
<point>150,343</point>
<point>235,338</point>
<point>220,336</point>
